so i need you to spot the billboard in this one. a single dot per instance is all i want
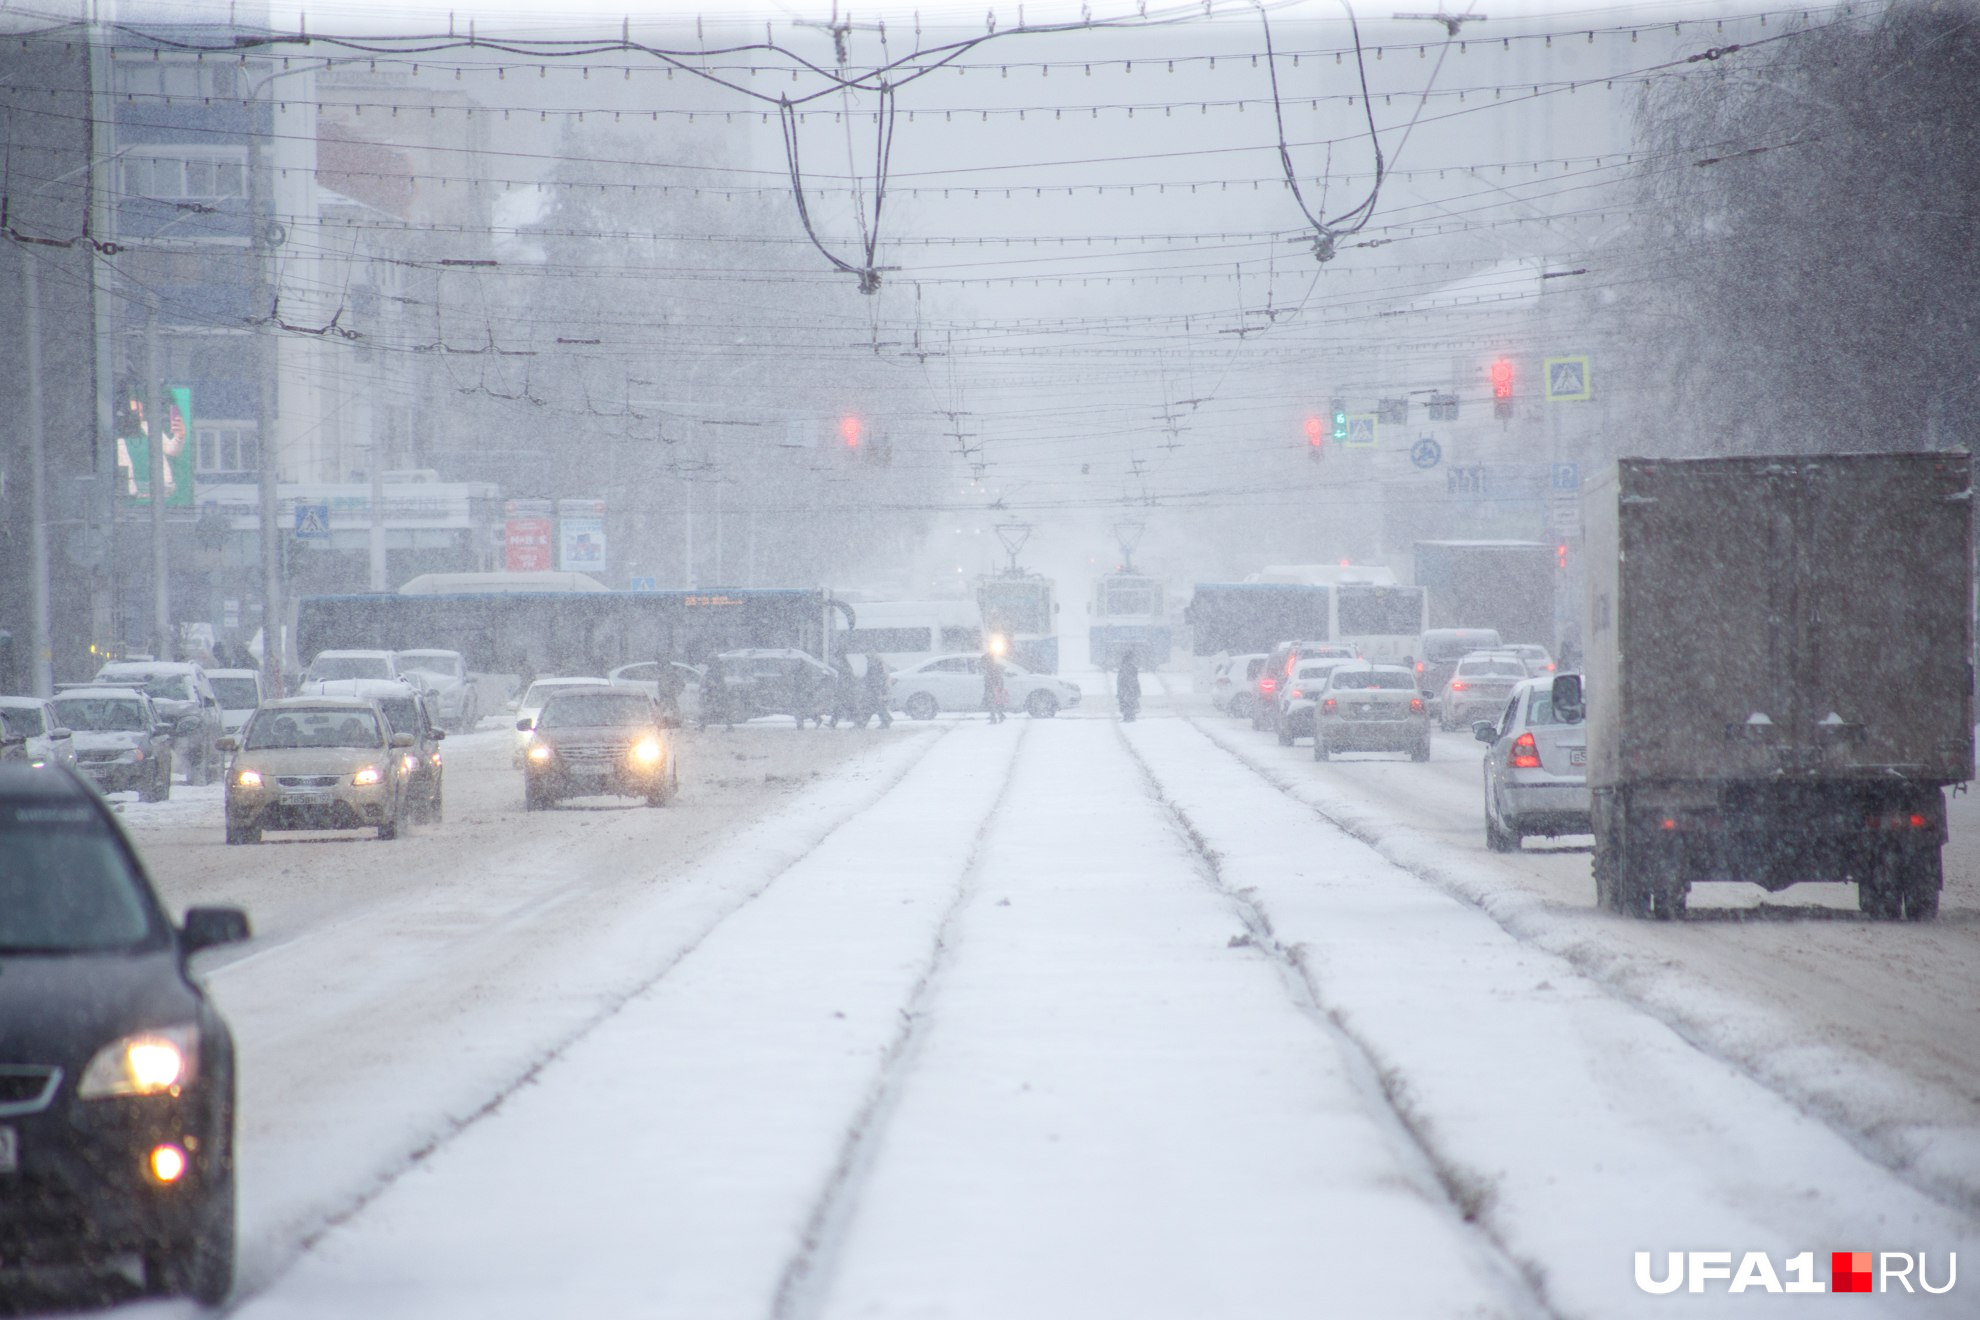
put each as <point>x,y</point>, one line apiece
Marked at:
<point>526,536</point>
<point>134,449</point>
<point>581,536</point>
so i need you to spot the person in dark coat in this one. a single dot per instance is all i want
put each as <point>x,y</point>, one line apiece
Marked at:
<point>845,692</point>
<point>717,701</point>
<point>1127,688</point>
<point>995,694</point>
<point>873,690</point>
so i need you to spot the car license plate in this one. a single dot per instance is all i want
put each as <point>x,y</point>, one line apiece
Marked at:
<point>10,1150</point>
<point>305,797</point>
<point>1577,756</point>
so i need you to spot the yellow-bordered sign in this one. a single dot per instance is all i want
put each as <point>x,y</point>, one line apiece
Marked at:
<point>1568,380</point>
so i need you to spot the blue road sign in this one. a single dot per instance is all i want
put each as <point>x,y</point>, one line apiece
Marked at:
<point>644,584</point>
<point>1426,453</point>
<point>313,522</point>
<point>1567,476</point>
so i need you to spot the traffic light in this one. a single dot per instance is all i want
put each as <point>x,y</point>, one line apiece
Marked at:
<point>1502,388</point>
<point>1339,410</point>
<point>849,429</point>
<point>1316,435</point>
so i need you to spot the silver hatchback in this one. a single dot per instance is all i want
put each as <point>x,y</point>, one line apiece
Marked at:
<point>1536,767</point>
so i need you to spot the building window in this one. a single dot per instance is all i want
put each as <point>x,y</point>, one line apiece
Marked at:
<point>206,176</point>
<point>226,447</point>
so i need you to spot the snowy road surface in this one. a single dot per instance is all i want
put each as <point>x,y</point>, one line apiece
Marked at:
<point>1057,1018</point>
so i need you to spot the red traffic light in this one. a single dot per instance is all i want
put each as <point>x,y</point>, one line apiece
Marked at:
<point>1502,378</point>
<point>1316,432</point>
<point>849,427</point>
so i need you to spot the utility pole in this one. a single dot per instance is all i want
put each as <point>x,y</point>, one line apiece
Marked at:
<point>41,675</point>
<point>155,428</point>
<point>273,610</point>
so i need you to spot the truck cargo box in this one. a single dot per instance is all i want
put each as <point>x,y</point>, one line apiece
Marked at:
<point>1781,619</point>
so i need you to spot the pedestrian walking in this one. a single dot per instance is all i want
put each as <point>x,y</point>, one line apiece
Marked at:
<point>805,698</point>
<point>845,692</point>
<point>995,695</point>
<point>873,689</point>
<point>717,698</point>
<point>1127,688</point>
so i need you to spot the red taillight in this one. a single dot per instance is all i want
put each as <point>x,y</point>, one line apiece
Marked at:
<point>1295,695</point>
<point>1268,685</point>
<point>1328,705</point>
<point>1419,666</point>
<point>1459,685</point>
<point>1918,822</point>
<point>1550,666</point>
<point>1525,753</point>
<point>1416,705</point>
<point>1670,823</point>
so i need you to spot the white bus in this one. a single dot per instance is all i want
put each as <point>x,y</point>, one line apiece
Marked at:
<point>1367,608</point>
<point>906,632</point>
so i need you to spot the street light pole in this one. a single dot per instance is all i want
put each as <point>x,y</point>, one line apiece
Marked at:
<point>155,429</point>
<point>42,661</point>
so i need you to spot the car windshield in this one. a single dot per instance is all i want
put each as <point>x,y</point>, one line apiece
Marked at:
<point>1371,680</point>
<point>431,662</point>
<point>313,727</point>
<point>595,710</point>
<point>1449,646</point>
<point>237,693</point>
<point>25,721</point>
<point>541,692</point>
<point>1506,668</point>
<point>331,668</point>
<point>66,883</point>
<point>101,714</point>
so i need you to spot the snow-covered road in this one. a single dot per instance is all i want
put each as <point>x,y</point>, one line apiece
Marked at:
<point>1059,1018</point>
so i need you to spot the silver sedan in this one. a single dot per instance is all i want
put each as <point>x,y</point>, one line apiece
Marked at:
<point>1536,768</point>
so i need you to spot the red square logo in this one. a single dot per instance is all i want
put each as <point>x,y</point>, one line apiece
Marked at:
<point>1849,1271</point>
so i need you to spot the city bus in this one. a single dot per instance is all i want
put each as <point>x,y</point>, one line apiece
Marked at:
<point>906,632</point>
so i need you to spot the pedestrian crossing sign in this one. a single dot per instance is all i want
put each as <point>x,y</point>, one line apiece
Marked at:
<point>1568,380</point>
<point>1360,431</point>
<point>312,522</point>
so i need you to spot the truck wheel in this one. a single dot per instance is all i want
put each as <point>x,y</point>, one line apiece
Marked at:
<point>1902,886</point>
<point>1921,892</point>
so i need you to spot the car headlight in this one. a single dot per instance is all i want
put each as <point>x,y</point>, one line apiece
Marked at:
<point>368,776</point>
<point>648,751</point>
<point>248,778</point>
<point>540,752</point>
<point>147,1063</point>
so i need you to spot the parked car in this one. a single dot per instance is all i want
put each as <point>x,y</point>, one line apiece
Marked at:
<point>683,681</point>
<point>530,704</point>
<point>1371,708</point>
<point>185,700</point>
<point>119,739</point>
<point>590,740</point>
<point>955,683</point>
<point>1439,650</point>
<point>452,697</point>
<point>239,691</point>
<point>116,1072</point>
<point>317,763</point>
<point>406,710</point>
<point>13,745</point>
<point>1299,694</point>
<point>1536,768</point>
<point>1234,684</point>
<point>1478,687</point>
<point>34,719</point>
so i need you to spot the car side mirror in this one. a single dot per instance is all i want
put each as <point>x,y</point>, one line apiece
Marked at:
<point>1567,696</point>
<point>437,735</point>
<point>1426,694</point>
<point>525,725</point>
<point>206,927</point>
<point>1485,732</point>
<point>402,740</point>
<point>227,744</point>
<point>61,733</point>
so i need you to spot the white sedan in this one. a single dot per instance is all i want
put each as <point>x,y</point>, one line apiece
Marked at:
<point>955,682</point>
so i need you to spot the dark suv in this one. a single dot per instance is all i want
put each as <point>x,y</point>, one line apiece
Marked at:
<point>116,1074</point>
<point>589,740</point>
